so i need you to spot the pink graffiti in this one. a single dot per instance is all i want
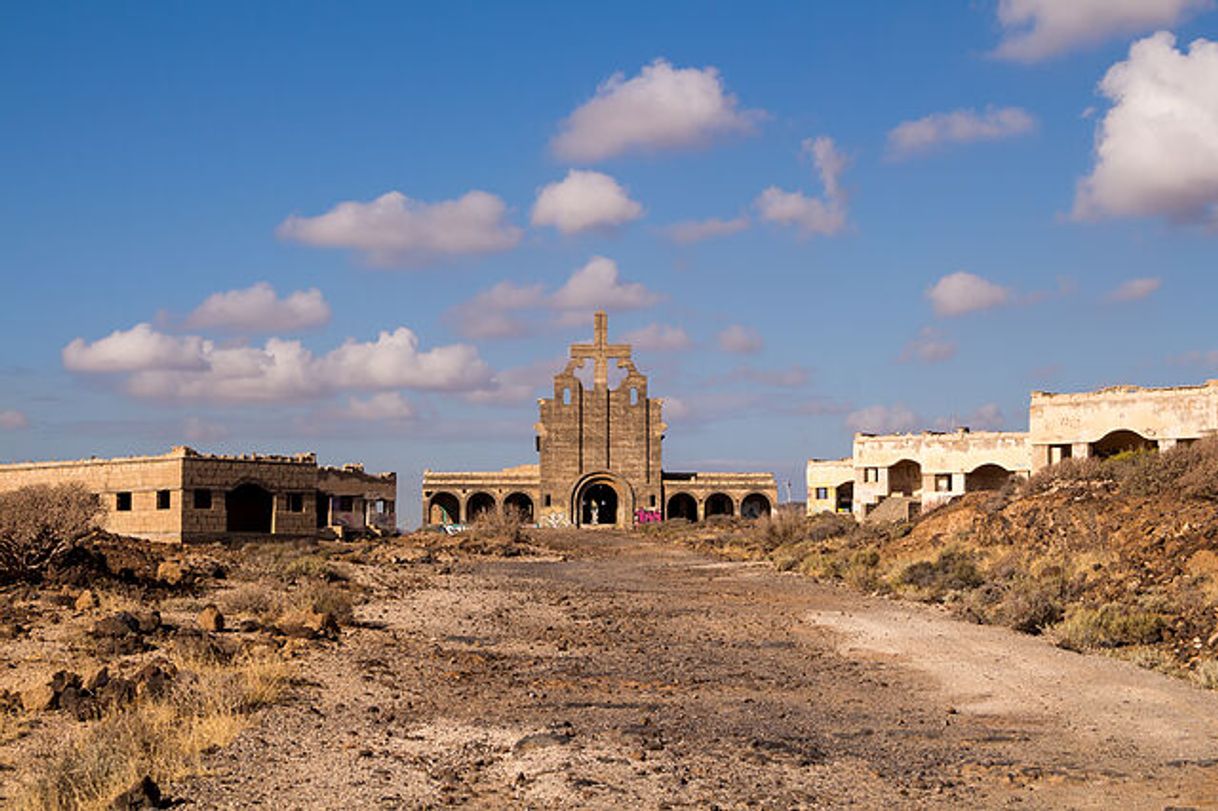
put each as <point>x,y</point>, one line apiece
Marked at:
<point>642,516</point>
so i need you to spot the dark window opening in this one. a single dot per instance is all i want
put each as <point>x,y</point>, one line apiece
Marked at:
<point>547,499</point>
<point>822,493</point>
<point>653,500</point>
<point>162,499</point>
<point>202,499</point>
<point>346,504</point>
<point>295,502</point>
<point>387,506</point>
<point>122,502</point>
<point>943,482</point>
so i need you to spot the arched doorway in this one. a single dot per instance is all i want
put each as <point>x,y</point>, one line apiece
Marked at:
<point>444,508</point>
<point>904,478</point>
<point>719,504</point>
<point>598,505</point>
<point>520,506</point>
<point>1122,442</point>
<point>845,497</point>
<point>754,506</point>
<point>682,505</point>
<point>478,505</point>
<point>987,477</point>
<point>248,508</point>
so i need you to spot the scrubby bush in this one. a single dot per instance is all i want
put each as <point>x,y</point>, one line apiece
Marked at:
<point>1112,625</point>
<point>1206,674</point>
<point>953,570</point>
<point>39,525</point>
<point>1030,605</point>
<point>500,527</point>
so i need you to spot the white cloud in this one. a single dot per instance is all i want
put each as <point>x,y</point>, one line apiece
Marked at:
<point>596,286</point>
<point>740,339</point>
<point>959,293</point>
<point>519,385</point>
<point>259,309</point>
<point>394,230</point>
<point>675,408</point>
<point>1135,289</point>
<point>490,313</point>
<point>281,370</point>
<point>13,420</point>
<point>1157,147</point>
<point>196,429</point>
<point>988,417</point>
<point>583,201</point>
<point>811,215</point>
<point>1037,29</point>
<point>686,233</point>
<point>140,347</point>
<point>930,346</point>
<point>659,338</point>
<point>386,406</point>
<point>881,419</point>
<point>910,138</point>
<point>661,108</point>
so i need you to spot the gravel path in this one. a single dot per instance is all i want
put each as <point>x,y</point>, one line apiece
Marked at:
<point>616,672</point>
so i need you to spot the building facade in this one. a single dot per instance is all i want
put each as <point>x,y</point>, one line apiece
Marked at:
<point>185,495</point>
<point>907,473</point>
<point>600,458</point>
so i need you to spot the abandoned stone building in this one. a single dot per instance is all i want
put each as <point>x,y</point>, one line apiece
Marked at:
<point>896,475</point>
<point>185,495</point>
<point>600,462</point>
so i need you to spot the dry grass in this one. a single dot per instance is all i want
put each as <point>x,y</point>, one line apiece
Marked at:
<point>164,738</point>
<point>1111,625</point>
<point>1206,674</point>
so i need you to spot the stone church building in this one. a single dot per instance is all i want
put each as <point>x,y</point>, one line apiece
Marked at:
<point>600,459</point>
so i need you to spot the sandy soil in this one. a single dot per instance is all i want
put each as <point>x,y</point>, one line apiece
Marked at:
<point>614,672</point>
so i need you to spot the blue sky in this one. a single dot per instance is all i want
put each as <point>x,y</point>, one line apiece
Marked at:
<point>924,254</point>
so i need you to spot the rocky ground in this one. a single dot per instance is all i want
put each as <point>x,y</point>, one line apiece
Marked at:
<point>612,670</point>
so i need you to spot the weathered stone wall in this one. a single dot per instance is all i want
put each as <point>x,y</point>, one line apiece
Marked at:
<point>752,495</point>
<point>830,485</point>
<point>290,480</point>
<point>1070,425</point>
<point>371,498</point>
<point>138,478</point>
<point>517,483</point>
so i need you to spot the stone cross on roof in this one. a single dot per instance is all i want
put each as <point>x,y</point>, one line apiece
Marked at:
<point>600,351</point>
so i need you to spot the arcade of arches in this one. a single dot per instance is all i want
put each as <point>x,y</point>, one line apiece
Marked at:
<point>599,440</point>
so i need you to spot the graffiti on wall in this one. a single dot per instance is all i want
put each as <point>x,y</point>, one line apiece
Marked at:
<point>642,516</point>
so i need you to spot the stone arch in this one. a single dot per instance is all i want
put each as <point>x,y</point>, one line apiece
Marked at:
<point>904,478</point>
<point>755,505</point>
<point>719,504</point>
<point>616,495</point>
<point>444,508</point>
<point>682,505</point>
<point>1122,441</point>
<point>987,477</point>
<point>249,507</point>
<point>521,504</point>
<point>477,505</point>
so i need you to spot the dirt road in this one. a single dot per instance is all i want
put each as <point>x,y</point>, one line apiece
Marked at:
<point>613,672</point>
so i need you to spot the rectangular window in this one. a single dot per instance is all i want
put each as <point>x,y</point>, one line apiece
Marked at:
<point>389,506</point>
<point>162,499</point>
<point>1059,452</point>
<point>547,499</point>
<point>822,493</point>
<point>202,499</point>
<point>871,474</point>
<point>122,502</point>
<point>943,482</point>
<point>346,504</point>
<point>295,502</point>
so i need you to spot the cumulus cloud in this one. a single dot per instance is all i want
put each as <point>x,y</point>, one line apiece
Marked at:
<point>930,346</point>
<point>583,201</point>
<point>988,417</point>
<point>911,138</point>
<point>597,286</point>
<point>1157,147</point>
<point>521,384</point>
<point>394,230</point>
<point>140,347</point>
<point>13,420</point>
<point>740,339</point>
<point>811,215</point>
<point>492,313</point>
<point>661,108</point>
<point>1135,289</point>
<point>1038,29</point>
<point>281,370</point>
<point>259,309</point>
<point>959,293</point>
<point>387,406</point>
<point>882,419</point>
<point>659,338</point>
<point>691,231</point>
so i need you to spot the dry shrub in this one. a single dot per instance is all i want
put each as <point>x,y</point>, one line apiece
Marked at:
<point>1030,605</point>
<point>326,599</point>
<point>40,524</point>
<point>953,570</point>
<point>506,526</point>
<point>1070,472</point>
<point>163,738</point>
<point>256,600</point>
<point>1112,625</point>
<point>1206,674</point>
